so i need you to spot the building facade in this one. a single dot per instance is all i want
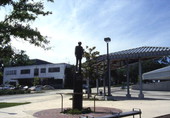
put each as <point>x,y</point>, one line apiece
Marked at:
<point>48,74</point>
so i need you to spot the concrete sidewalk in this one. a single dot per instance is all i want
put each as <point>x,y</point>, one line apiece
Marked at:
<point>156,103</point>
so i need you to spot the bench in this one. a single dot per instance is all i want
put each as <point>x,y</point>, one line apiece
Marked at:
<point>124,114</point>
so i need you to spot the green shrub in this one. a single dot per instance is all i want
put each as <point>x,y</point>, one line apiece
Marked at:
<point>76,111</point>
<point>11,92</point>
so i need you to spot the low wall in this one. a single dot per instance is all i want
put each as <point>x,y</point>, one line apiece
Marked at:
<point>160,86</point>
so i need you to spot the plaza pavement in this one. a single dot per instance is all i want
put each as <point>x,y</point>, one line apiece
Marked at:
<point>155,103</point>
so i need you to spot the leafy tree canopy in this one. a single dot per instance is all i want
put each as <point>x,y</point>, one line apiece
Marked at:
<point>89,66</point>
<point>14,57</point>
<point>17,23</point>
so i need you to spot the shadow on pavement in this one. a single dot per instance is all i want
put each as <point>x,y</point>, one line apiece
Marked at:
<point>119,98</point>
<point>8,113</point>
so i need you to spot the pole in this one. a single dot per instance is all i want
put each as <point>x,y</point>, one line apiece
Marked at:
<point>108,70</point>
<point>141,95</point>
<point>127,75</point>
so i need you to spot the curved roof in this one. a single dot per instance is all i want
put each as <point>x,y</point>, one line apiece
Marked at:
<point>158,74</point>
<point>136,53</point>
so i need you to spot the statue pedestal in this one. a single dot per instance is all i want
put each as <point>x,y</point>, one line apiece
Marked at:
<point>78,94</point>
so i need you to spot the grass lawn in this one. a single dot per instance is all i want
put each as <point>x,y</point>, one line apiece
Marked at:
<point>4,104</point>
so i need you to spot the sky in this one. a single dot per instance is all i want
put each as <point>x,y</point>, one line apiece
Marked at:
<point>129,24</point>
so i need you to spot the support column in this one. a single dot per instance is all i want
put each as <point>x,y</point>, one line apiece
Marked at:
<point>141,95</point>
<point>128,95</point>
<point>104,82</point>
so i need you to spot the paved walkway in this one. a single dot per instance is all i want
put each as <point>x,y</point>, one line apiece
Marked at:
<point>156,103</point>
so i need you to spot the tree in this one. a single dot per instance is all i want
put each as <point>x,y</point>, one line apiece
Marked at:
<point>17,23</point>
<point>13,57</point>
<point>89,68</point>
<point>36,81</point>
<point>20,59</point>
<point>6,52</point>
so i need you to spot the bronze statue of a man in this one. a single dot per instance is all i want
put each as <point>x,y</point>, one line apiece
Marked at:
<point>79,54</point>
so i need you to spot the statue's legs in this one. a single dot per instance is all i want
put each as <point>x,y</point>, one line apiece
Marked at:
<point>76,64</point>
<point>79,65</point>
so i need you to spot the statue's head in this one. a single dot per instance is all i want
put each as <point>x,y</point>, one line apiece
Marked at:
<point>79,43</point>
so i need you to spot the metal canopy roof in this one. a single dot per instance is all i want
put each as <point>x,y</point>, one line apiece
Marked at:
<point>144,52</point>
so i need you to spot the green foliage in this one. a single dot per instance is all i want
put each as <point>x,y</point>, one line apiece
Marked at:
<point>36,81</point>
<point>20,59</point>
<point>6,53</point>
<point>89,67</point>
<point>17,23</point>
<point>76,111</point>
<point>119,75</point>
<point>4,104</point>
<point>72,111</point>
<point>10,57</point>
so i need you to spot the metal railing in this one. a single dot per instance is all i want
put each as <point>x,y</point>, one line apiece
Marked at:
<point>62,101</point>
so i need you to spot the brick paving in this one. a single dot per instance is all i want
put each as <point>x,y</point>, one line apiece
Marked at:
<point>55,113</point>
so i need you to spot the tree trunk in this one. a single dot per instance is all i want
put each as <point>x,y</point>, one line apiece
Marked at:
<point>88,88</point>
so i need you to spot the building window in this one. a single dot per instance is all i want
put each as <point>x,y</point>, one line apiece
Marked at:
<point>25,71</point>
<point>55,69</point>
<point>11,72</point>
<point>43,70</point>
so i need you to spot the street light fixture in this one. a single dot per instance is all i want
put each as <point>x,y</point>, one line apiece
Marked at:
<point>107,40</point>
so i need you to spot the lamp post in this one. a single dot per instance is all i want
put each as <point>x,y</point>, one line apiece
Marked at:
<point>107,40</point>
